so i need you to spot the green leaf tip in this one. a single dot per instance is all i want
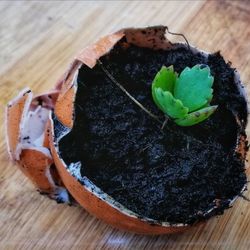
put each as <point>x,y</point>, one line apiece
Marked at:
<point>196,116</point>
<point>169,105</point>
<point>164,79</point>
<point>186,98</point>
<point>194,87</point>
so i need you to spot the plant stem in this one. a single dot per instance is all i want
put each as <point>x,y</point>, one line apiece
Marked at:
<point>165,122</point>
<point>126,92</point>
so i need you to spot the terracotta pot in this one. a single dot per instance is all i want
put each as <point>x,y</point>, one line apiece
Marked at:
<point>33,142</point>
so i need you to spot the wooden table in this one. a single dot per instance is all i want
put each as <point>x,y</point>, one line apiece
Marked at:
<point>37,41</point>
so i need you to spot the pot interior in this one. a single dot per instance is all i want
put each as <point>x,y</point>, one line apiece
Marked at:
<point>177,174</point>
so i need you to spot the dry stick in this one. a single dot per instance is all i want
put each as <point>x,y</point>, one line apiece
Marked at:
<point>127,93</point>
<point>179,34</point>
<point>165,122</point>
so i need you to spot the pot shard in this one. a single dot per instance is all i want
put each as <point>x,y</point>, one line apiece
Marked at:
<point>35,148</point>
<point>28,140</point>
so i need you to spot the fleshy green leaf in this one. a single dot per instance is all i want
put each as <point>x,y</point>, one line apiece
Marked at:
<point>164,79</point>
<point>196,116</point>
<point>194,87</point>
<point>169,105</point>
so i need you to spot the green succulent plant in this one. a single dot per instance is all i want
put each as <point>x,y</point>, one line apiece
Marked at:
<point>185,98</point>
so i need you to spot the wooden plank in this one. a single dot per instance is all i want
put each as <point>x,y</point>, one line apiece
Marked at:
<point>37,41</point>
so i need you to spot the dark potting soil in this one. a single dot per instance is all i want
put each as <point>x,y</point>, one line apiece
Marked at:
<point>174,175</point>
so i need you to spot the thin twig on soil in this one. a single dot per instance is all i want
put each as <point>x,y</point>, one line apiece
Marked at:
<point>126,92</point>
<point>165,122</point>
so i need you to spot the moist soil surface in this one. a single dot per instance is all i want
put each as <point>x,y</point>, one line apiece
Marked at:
<point>174,175</point>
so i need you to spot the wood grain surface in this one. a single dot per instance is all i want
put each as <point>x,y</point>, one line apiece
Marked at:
<point>37,41</point>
